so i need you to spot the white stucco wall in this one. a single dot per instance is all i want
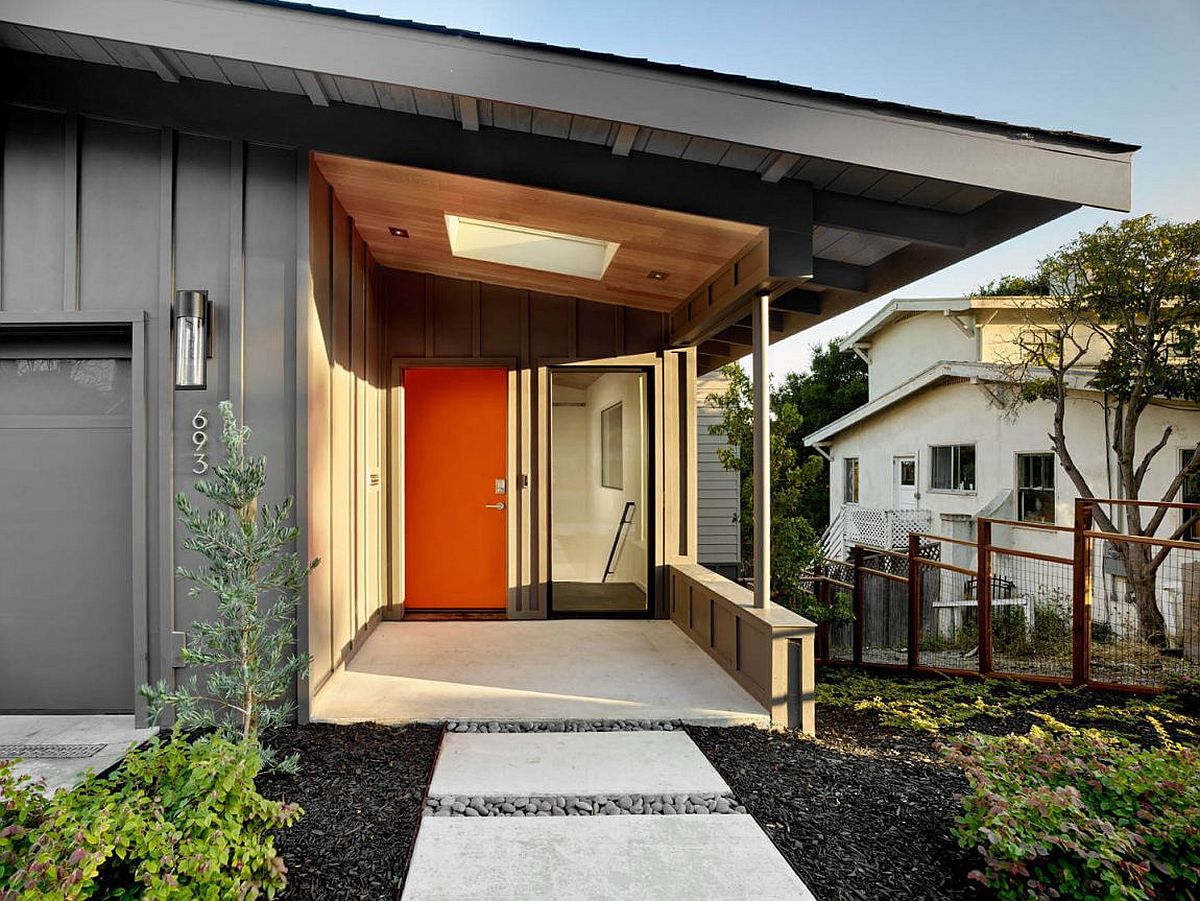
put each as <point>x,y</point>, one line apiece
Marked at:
<point>909,346</point>
<point>962,413</point>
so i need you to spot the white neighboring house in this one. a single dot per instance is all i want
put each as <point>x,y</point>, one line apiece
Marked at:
<point>935,447</point>
<point>718,489</point>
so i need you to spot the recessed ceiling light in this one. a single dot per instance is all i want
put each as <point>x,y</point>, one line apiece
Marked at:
<point>396,232</point>
<point>529,248</point>
<point>657,274</point>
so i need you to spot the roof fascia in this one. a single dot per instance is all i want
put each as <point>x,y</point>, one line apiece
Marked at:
<point>890,311</point>
<point>689,104</point>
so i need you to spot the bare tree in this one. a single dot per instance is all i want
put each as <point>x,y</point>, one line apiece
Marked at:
<point>1121,317</point>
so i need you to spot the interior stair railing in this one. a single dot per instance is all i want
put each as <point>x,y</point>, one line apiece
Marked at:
<point>626,520</point>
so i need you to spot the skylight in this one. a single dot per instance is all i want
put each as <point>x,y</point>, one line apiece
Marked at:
<point>529,248</point>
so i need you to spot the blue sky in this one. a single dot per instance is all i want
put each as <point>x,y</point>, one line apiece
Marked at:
<point>1125,69</point>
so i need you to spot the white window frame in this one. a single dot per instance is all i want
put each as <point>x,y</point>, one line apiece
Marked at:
<point>955,463</point>
<point>1184,454</point>
<point>1053,489</point>
<point>851,464</point>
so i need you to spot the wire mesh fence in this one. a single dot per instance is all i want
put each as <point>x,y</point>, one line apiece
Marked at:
<point>1145,622</point>
<point>1119,610</point>
<point>1032,617</point>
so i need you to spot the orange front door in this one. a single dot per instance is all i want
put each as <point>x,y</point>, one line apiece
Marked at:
<point>455,548</point>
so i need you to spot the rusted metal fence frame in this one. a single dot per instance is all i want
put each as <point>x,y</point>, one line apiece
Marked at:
<point>1083,533</point>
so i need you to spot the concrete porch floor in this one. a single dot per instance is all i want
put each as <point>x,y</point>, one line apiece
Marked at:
<point>587,669</point>
<point>116,732</point>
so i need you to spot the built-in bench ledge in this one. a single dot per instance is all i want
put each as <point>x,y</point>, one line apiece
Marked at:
<point>768,651</point>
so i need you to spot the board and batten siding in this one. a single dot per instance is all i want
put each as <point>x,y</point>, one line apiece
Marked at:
<point>103,216</point>
<point>718,500</point>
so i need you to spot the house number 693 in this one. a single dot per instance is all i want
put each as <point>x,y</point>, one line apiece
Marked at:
<point>199,443</point>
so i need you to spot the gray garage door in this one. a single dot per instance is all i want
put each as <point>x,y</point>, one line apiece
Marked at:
<point>66,633</point>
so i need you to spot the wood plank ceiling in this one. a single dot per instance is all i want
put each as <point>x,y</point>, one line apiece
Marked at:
<point>689,249</point>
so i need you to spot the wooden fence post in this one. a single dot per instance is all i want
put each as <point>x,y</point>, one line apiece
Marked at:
<point>914,600</point>
<point>858,603</point>
<point>1081,593</point>
<point>983,593</point>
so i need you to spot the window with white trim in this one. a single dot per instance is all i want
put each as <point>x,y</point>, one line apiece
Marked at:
<point>850,480</point>
<point>1189,494</point>
<point>952,467</point>
<point>1035,487</point>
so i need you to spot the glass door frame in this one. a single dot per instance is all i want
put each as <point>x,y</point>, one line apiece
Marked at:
<point>651,512</point>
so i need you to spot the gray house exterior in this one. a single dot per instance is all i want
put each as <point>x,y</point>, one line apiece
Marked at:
<point>260,150</point>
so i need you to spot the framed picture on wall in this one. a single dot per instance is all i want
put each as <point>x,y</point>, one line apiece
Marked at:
<point>612,463</point>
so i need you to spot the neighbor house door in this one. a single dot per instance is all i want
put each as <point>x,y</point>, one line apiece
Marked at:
<point>904,480</point>
<point>455,495</point>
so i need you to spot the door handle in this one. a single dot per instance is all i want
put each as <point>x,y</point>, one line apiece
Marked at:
<point>496,506</point>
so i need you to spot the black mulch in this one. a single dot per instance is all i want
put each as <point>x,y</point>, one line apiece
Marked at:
<point>860,813</point>
<point>362,788</point>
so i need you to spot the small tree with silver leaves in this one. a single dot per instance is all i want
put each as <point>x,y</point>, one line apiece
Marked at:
<point>248,651</point>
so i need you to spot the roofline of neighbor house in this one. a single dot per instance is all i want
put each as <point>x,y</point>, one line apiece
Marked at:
<point>928,378</point>
<point>1062,166</point>
<point>891,311</point>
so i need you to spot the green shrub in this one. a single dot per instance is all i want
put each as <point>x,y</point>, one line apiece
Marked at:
<point>176,820</point>
<point>1067,813</point>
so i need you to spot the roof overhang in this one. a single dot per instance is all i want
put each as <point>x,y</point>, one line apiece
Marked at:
<point>859,197</point>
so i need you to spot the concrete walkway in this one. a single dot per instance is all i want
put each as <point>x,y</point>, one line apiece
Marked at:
<point>95,742</point>
<point>547,816</point>
<point>591,669</point>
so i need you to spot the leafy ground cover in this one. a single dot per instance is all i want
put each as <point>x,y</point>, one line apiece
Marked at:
<point>869,809</point>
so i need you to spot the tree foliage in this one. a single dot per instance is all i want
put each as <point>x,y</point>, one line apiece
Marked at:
<point>799,476</point>
<point>248,651</point>
<point>1120,315</point>
<point>835,384</point>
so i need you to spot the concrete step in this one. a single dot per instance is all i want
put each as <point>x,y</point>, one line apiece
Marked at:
<point>573,763</point>
<point>605,857</point>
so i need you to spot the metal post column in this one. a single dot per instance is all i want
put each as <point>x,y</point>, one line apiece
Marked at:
<point>762,454</point>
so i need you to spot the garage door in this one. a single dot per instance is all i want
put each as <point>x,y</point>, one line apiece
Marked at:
<point>66,631</point>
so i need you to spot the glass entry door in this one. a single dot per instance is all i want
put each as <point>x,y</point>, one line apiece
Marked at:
<point>600,532</point>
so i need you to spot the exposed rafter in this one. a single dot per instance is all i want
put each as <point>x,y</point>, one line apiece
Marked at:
<point>797,300</point>
<point>158,61</point>
<point>312,87</point>
<point>468,111</point>
<point>624,140</point>
<point>780,166</point>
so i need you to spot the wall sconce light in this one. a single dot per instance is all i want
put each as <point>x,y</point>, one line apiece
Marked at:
<point>193,340</point>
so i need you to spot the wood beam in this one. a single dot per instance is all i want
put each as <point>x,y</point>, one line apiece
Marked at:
<point>893,220</point>
<point>797,300</point>
<point>791,253</point>
<point>843,276</point>
<point>741,335</point>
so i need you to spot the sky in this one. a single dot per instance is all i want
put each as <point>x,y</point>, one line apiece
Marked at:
<point>1123,69</point>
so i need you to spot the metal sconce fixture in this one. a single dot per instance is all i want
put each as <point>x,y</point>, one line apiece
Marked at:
<point>193,339</point>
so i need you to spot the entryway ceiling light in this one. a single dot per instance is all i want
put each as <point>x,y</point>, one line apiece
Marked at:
<point>529,248</point>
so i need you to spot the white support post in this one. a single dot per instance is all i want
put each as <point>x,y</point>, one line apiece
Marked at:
<point>762,453</point>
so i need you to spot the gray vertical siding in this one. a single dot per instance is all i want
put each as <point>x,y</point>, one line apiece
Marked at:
<point>105,216</point>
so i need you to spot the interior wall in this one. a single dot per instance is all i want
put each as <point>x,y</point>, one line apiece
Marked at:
<point>585,512</point>
<point>346,397</point>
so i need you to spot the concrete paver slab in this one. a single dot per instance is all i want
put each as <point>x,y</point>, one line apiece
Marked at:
<point>605,857</point>
<point>573,763</point>
<point>115,731</point>
<point>534,670</point>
